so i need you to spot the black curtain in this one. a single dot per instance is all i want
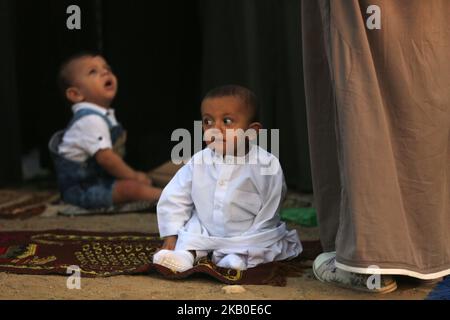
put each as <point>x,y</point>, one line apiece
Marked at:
<point>167,55</point>
<point>256,43</point>
<point>155,50</point>
<point>42,42</point>
<point>10,168</point>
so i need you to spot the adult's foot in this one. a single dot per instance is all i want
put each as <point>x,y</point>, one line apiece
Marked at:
<point>325,270</point>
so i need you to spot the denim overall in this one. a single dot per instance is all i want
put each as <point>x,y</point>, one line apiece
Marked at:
<point>86,184</point>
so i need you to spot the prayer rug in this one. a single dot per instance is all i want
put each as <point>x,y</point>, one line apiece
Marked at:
<point>133,207</point>
<point>20,204</point>
<point>306,216</point>
<point>297,200</point>
<point>100,254</point>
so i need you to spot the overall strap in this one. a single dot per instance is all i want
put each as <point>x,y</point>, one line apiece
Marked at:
<point>86,112</point>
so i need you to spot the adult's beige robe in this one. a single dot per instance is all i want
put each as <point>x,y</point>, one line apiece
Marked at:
<point>379,124</point>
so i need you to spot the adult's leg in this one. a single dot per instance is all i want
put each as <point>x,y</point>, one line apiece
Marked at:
<point>321,115</point>
<point>392,122</point>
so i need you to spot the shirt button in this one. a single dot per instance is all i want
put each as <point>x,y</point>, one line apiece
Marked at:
<point>221,183</point>
<point>217,207</point>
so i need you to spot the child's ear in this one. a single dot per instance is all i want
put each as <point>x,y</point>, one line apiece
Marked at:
<point>74,95</point>
<point>255,126</point>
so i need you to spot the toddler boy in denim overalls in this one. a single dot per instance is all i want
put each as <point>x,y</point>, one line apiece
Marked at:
<point>88,153</point>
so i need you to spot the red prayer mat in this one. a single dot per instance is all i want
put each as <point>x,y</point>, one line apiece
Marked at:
<point>101,254</point>
<point>21,204</point>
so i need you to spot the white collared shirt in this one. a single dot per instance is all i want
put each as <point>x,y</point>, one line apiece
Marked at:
<point>88,134</point>
<point>227,199</point>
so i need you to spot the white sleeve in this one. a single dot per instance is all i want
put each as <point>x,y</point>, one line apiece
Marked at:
<point>175,204</point>
<point>273,191</point>
<point>94,134</point>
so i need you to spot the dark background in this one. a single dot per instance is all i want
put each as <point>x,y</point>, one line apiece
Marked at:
<point>167,55</point>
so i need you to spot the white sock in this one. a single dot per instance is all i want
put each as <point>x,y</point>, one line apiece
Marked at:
<point>177,261</point>
<point>232,261</point>
<point>200,254</point>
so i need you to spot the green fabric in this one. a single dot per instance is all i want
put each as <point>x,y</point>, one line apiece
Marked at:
<point>303,216</point>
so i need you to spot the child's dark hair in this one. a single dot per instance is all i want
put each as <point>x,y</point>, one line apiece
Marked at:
<point>64,80</point>
<point>246,96</point>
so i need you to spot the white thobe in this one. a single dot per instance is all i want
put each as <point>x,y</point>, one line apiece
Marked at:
<point>228,206</point>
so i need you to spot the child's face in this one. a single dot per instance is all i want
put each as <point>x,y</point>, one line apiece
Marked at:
<point>225,115</point>
<point>92,81</point>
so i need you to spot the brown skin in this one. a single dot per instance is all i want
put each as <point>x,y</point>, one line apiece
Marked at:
<point>169,242</point>
<point>115,166</point>
<point>93,81</point>
<point>131,185</point>
<point>227,113</point>
<point>221,114</point>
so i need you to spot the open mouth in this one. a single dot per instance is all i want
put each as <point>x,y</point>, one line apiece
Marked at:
<point>109,84</point>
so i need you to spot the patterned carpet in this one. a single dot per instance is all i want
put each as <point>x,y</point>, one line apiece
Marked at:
<point>21,204</point>
<point>109,254</point>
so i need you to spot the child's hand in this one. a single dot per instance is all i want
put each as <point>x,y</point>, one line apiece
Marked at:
<point>143,178</point>
<point>169,242</point>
